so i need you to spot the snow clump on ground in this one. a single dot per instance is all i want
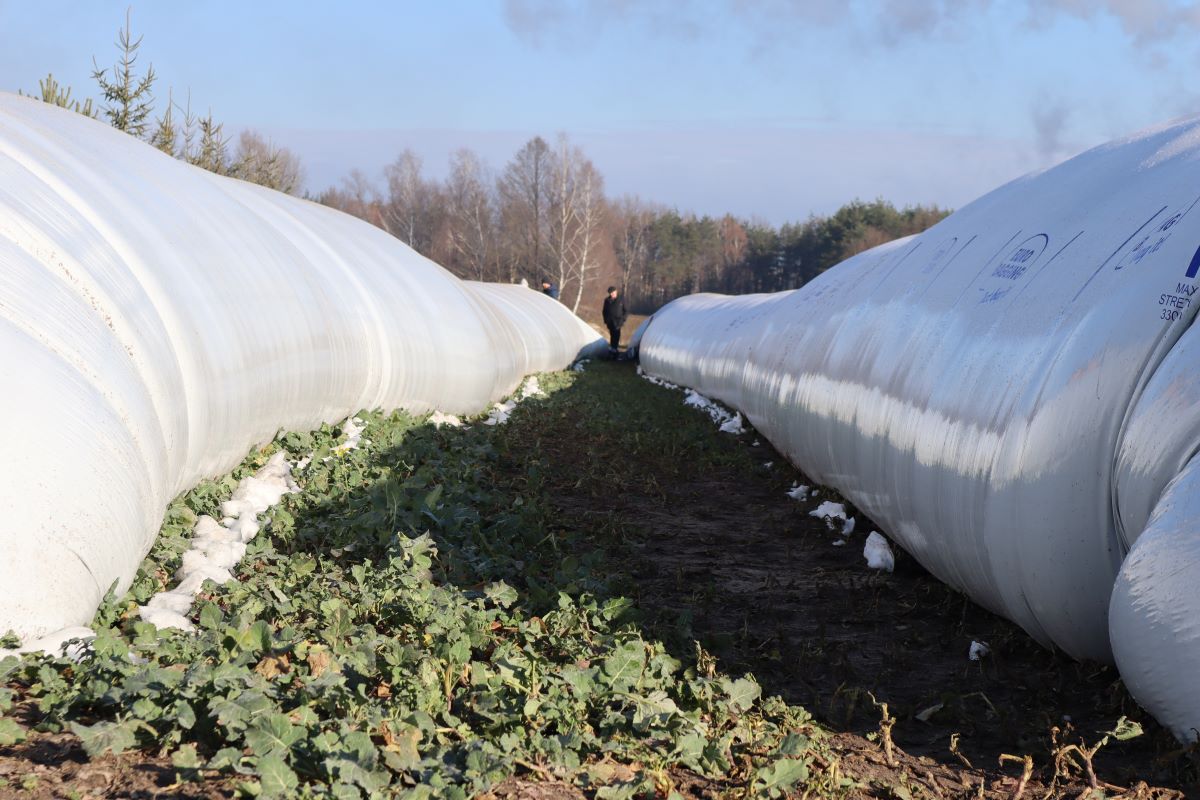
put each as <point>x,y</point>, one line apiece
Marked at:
<point>878,553</point>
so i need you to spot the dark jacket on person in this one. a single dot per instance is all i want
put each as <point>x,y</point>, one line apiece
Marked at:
<point>614,312</point>
<point>551,290</point>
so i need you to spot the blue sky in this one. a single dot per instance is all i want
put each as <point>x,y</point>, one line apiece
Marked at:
<point>765,108</point>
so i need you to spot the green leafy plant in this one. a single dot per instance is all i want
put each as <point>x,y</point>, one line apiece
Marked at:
<point>407,620</point>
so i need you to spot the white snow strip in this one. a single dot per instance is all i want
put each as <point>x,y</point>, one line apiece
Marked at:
<point>878,553</point>
<point>978,650</point>
<point>438,419</point>
<point>218,547</point>
<point>656,381</point>
<point>798,492</point>
<point>70,643</point>
<point>728,421</point>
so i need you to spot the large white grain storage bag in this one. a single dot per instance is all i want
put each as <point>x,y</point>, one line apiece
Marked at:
<point>157,320</point>
<point>1012,394</point>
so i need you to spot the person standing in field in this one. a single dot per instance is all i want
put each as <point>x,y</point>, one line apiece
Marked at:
<point>614,318</point>
<point>549,288</point>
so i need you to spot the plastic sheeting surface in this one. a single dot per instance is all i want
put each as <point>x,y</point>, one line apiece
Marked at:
<point>156,321</point>
<point>1007,394</point>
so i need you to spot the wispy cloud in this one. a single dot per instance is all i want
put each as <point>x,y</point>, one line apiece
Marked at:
<point>890,22</point>
<point>1146,22</point>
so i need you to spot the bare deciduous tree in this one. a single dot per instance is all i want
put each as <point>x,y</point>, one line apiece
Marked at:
<point>590,207</point>
<point>631,242</point>
<point>357,197</point>
<point>524,189</point>
<point>576,201</point>
<point>412,209</point>
<point>259,160</point>
<point>471,212</point>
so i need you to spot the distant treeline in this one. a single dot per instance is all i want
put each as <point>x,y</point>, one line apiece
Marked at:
<point>681,254</point>
<point>545,215</point>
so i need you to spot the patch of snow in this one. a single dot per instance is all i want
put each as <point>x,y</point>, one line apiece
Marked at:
<point>531,388</point>
<point>848,528</point>
<point>925,714</point>
<point>218,547</point>
<point>798,492</point>
<point>579,365</point>
<point>502,411</point>
<point>733,425</point>
<point>73,643</point>
<point>838,542</point>
<point>728,421</point>
<point>768,464</point>
<point>878,553</point>
<point>656,381</point>
<point>352,429</point>
<point>829,510</point>
<point>978,650</point>
<point>438,419</point>
<point>696,400</point>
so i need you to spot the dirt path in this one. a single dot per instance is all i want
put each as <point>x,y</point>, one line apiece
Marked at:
<point>715,548</point>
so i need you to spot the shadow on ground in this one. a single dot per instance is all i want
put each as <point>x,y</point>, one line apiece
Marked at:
<point>697,529</point>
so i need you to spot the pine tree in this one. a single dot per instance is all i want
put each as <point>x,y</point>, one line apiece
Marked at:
<point>212,151</point>
<point>127,97</point>
<point>53,94</point>
<point>166,134</point>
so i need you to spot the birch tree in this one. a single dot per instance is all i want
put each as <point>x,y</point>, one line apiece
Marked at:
<point>576,206</point>
<point>589,203</point>
<point>471,215</point>
<point>411,209</point>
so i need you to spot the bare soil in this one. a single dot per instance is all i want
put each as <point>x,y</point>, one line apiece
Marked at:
<point>718,551</point>
<point>54,765</point>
